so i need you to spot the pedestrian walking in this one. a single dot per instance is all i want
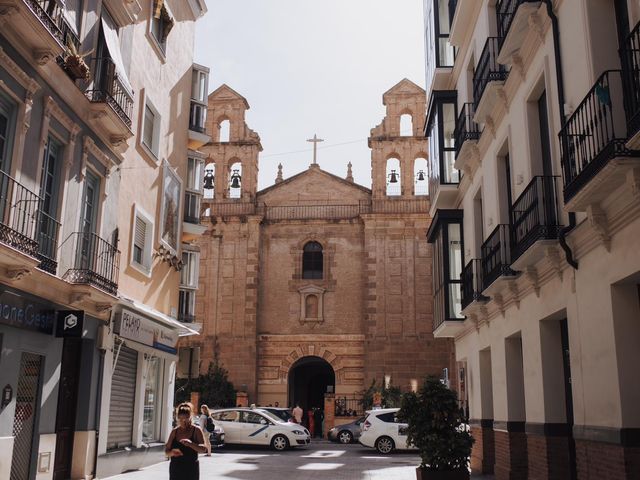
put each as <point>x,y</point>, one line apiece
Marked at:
<point>206,425</point>
<point>297,413</point>
<point>185,442</point>
<point>312,423</point>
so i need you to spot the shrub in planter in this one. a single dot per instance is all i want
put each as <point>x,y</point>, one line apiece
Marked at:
<point>437,429</point>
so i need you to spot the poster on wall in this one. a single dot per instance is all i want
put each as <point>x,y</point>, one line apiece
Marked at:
<point>170,208</point>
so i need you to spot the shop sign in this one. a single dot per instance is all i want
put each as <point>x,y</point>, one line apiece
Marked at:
<point>140,329</point>
<point>19,311</point>
<point>70,323</point>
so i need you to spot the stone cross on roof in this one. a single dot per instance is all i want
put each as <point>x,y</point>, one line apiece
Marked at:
<point>315,140</point>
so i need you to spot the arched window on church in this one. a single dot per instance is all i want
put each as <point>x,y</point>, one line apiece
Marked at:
<point>394,180</point>
<point>312,261</point>
<point>311,306</point>
<point>406,125</point>
<point>225,131</point>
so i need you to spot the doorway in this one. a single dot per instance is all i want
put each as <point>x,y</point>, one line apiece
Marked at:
<point>309,379</point>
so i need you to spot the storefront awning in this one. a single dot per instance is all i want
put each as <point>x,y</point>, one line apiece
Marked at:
<point>113,45</point>
<point>183,330</point>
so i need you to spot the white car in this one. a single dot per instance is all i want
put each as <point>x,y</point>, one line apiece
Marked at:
<point>382,430</point>
<point>248,426</point>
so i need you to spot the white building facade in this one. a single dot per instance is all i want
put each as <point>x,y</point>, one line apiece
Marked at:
<point>535,169</point>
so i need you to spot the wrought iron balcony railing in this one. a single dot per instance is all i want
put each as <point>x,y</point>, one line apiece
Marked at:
<point>95,262</point>
<point>19,209</point>
<point>630,59</point>
<point>109,89</point>
<point>197,117</point>
<point>48,229</point>
<point>472,283</point>
<point>506,12</point>
<point>594,134</point>
<point>488,69</point>
<point>534,214</point>
<point>51,14</point>
<point>496,255</point>
<point>466,128</point>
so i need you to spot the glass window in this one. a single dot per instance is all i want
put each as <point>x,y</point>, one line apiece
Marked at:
<point>148,131</point>
<point>7,125</point>
<point>252,417</point>
<point>189,272</point>
<point>194,174</point>
<point>230,416</point>
<point>312,261</point>
<point>151,400</point>
<point>186,304</point>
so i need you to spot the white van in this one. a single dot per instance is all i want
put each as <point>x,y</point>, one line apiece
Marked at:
<point>382,430</point>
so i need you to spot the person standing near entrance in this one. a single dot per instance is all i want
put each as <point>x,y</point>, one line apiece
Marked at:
<point>206,425</point>
<point>312,423</point>
<point>297,413</point>
<point>185,442</point>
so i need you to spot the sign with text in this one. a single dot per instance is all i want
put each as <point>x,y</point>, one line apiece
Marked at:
<point>70,323</point>
<point>22,312</point>
<point>140,329</point>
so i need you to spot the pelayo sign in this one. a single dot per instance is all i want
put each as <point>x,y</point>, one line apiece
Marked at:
<point>142,330</point>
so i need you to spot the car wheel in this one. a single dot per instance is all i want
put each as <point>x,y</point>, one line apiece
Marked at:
<point>345,437</point>
<point>279,443</point>
<point>385,445</point>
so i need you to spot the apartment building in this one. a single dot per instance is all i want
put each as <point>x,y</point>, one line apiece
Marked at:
<point>95,106</point>
<point>534,173</point>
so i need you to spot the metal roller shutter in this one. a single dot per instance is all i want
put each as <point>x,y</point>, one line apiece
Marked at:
<point>121,405</point>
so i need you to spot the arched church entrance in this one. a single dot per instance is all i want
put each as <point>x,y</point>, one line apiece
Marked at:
<point>309,379</point>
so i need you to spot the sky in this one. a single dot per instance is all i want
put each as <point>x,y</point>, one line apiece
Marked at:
<point>310,67</point>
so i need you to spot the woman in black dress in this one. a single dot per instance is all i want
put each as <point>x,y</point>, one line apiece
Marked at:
<point>185,442</point>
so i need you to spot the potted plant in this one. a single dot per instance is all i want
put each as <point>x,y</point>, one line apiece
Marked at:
<point>74,63</point>
<point>436,427</point>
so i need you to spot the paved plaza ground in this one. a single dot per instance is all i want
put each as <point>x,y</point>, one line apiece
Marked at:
<point>320,461</point>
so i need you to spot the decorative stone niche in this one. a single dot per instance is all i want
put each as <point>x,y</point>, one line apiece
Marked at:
<point>311,304</point>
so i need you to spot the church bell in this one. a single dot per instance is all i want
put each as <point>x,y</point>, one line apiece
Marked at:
<point>421,176</point>
<point>235,179</point>
<point>393,177</point>
<point>208,180</point>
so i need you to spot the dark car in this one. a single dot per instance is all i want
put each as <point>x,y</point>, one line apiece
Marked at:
<point>347,433</point>
<point>282,413</point>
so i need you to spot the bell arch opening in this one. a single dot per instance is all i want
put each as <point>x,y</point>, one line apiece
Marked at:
<point>309,379</point>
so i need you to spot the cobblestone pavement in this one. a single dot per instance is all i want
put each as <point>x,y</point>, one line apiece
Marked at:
<point>320,461</point>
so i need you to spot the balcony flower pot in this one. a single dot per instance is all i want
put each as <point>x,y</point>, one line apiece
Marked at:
<point>437,428</point>
<point>76,67</point>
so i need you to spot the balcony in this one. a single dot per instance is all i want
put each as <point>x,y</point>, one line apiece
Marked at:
<point>111,103</point>
<point>534,220</point>
<point>94,262</point>
<point>124,12</point>
<point>595,156</point>
<point>197,125</point>
<point>496,256</point>
<point>488,77</point>
<point>37,25</point>
<point>472,284</point>
<point>48,229</point>
<point>514,25</point>
<point>630,59</point>
<point>467,134</point>
<point>19,209</point>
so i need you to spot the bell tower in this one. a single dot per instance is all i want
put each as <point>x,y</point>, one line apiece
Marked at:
<point>399,142</point>
<point>233,151</point>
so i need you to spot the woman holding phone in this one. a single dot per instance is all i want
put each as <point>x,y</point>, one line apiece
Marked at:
<point>185,442</point>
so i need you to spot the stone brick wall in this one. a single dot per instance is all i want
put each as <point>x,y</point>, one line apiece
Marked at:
<point>548,457</point>
<point>483,451</point>
<point>511,455</point>
<point>605,461</point>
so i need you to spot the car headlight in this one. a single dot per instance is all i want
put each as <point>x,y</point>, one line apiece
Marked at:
<point>298,432</point>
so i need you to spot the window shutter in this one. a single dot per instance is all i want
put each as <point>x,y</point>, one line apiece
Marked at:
<point>141,233</point>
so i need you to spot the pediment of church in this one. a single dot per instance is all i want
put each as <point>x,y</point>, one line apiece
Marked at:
<point>404,87</point>
<point>314,185</point>
<point>224,93</point>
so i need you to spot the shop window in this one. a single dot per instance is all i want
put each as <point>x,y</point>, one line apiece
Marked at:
<point>152,403</point>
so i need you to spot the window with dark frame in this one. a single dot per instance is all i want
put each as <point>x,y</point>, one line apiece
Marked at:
<point>312,261</point>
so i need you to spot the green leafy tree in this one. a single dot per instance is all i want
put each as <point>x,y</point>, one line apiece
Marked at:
<point>436,427</point>
<point>214,387</point>
<point>391,396</point>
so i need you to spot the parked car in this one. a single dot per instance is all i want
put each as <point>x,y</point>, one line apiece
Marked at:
<point>347,433</point>
<point>382,430</point>
<point>283,413</point>
<point>245,426</point>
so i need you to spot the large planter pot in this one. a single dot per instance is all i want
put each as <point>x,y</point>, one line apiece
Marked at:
<point>424,474</point>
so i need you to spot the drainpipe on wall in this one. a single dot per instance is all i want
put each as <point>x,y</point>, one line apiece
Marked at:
<point>562,235</point>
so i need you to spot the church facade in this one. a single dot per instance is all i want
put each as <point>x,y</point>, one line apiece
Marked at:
<point>316,283</point>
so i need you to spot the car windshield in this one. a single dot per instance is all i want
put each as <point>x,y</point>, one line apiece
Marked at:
<point>273,417</point>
